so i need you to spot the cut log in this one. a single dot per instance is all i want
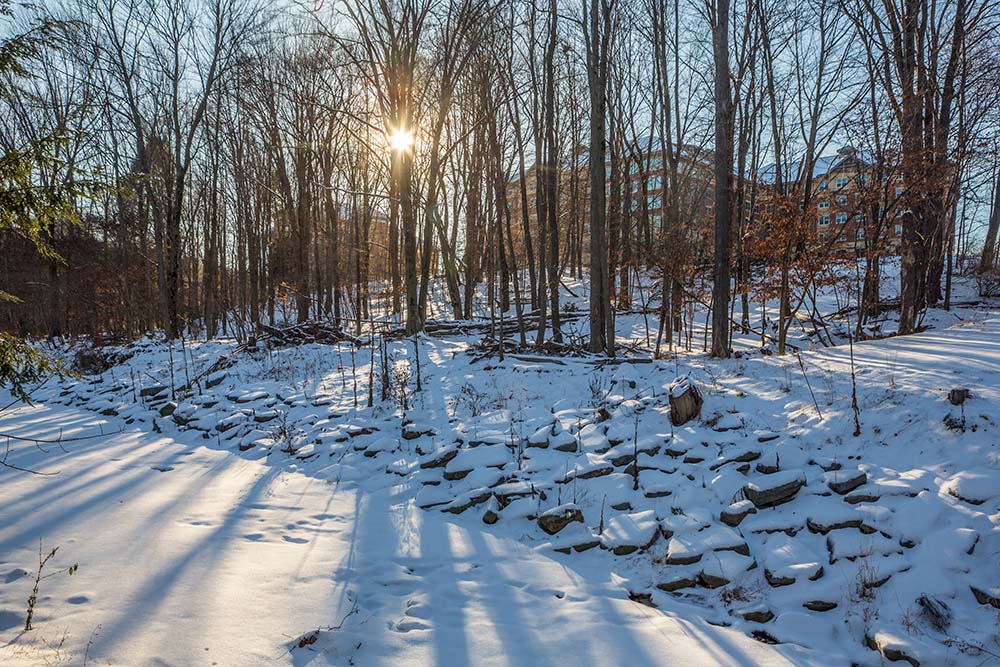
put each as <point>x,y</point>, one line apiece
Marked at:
<point>685,401</point>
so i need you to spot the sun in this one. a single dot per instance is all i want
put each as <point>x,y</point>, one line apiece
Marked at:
<point>401,140</point>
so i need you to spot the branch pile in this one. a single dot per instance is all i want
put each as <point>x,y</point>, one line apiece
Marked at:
<point>310,331</point>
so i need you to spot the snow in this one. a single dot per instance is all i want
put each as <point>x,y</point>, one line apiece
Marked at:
<point>392,536</point>
<point>974,486</point>
<point>631,531</point>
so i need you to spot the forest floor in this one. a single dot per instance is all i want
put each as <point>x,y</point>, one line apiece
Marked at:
<point>272,518</point>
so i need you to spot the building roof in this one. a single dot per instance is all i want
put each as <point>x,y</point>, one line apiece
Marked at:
<point>821,167</point>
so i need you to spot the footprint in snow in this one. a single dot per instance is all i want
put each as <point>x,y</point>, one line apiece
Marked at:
<point>408,625</point>
<point>417,610</point>
<point>254,537</point>
<point>78,599</point>
<point>14,575</point>
<point>163,468</point>
<point>294,540</point>
<point>10,619</point>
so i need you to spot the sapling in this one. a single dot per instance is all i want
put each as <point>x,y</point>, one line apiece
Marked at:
<point>42,562</point>
<point>354,376</point>
<point>371,372</point>
<point>854,383</point>
<point>635,454</point>
<point>416,353</point>
<point>802,367</point>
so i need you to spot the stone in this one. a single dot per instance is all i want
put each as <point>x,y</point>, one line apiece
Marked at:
<point>248,397</point>
<point>412,431</point>
<point>757,615</point>
<point>843,482</point>
<point>990,596</point>
<point>439,458</point>
<point>626,533</point>
<point>709,580</point>
<point>677,582</point>
<point>168,409</point>
<point>557,518</point>
<point>742,455</point>
<point>735,513</point>
<point>819,605</point>
<point>153,390</point>
<point>724,567</point>
<point>891,648</point>
<point>263,416</point>
<point>642,598</point>
<point>771,490</point>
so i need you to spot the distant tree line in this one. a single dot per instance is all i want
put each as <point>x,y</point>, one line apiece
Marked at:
<point>346,162</point>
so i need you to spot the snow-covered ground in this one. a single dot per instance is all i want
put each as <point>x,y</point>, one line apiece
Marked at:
<point>274,518</point>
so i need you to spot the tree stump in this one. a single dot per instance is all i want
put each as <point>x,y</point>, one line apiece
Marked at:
<point>958,396</point>
<point>685,401</point>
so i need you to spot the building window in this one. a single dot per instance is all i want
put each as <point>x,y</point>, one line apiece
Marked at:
<point>841,183</point>
<point>860,234</point>
<point>899,213</point>
<point>859,218</point>
<point>824,220</point>
<point>841,199</point>
<point>862,179</point>
<point>657,221</point>
<point>899,229</point>
<point>653,202</point>
<point>633,168</point>
<point>824,185</point>
<point>824,235</point>
<point>823,205</point>
<point>654,163</point>
<point>654,182</point>
<point>841,218</point>
<point>899,191</point>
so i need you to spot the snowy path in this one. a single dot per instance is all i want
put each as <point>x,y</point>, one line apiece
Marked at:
<point>217,560</point>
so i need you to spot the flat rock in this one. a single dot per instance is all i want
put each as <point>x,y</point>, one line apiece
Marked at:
<point>974,486</point>
<point>788,559</point>
<point>843,482</point>
<point>625,533</point>
<point>554,520</point>
<point>893,647</point>
<point>723,567</point>
<point>478,457</point>
<point>735,513</point>
<point>770,490</point>
<point>439,457</point>
<point>987,595</point>
<point>688,547</point>
<point>248,397</point>
<point>678,578</point>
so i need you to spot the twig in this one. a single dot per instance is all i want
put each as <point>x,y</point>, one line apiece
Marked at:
<point>803,369</point>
